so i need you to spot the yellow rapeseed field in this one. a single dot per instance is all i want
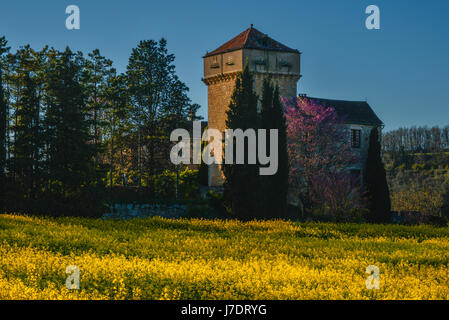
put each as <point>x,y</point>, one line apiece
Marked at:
<point>159,258</point>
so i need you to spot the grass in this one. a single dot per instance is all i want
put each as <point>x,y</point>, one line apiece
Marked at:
<point>158,258</point>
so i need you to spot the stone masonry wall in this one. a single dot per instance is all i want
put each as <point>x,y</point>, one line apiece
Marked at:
<point>220,72</point>
<point>219,97</point>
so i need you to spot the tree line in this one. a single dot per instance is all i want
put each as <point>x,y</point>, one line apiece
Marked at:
<point>418,170</point>
<point>416,139</point>
<point>71,124</point>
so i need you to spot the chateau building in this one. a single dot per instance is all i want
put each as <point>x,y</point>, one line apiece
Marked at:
<point>267,57</point>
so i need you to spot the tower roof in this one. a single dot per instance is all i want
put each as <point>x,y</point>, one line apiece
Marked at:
<point>251,38</point>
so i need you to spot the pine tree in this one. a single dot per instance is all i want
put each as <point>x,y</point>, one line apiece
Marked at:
<point>3,124</point>
<point>28,139</point>
<point>74,182</point>
<point>241,186</point>
<point>275,187</point>
<point>117,119</point>
<point>376,187</point>
<point>97,72</point>
<point>159,102</point>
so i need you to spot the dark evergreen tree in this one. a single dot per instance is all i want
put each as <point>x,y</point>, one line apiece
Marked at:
<point>3,124</point>
<point>159,103</point>
<point>275,187</point>
<point>241,186</point>
<point>65,121</point>
<point>73,180</point>
<point>97,73</point>
<point>117,119</point>
<point>28,134</point>
<point>377,193</point>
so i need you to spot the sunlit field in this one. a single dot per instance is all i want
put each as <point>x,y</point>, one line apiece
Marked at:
<point>157,258</point>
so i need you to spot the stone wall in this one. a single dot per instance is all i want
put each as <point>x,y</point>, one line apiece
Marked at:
<point>220,72</point>
<point>287,84</point>
<point>220,90</point>
<point>362,152</point>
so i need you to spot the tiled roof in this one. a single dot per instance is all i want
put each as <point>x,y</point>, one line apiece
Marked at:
<point>354,112</point>
<point>251,38</point>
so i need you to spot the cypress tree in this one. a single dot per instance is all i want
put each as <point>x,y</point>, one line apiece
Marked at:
<point>376,187</point>
<point>275,187</point>
<point>241,186</point>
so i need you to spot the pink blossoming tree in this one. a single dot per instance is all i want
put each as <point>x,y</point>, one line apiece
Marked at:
<point>319,155</point>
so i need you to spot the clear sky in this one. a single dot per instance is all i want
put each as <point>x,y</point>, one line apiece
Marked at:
<point>401,69</point>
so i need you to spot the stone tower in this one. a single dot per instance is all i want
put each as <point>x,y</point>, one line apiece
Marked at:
<point>265,57</point>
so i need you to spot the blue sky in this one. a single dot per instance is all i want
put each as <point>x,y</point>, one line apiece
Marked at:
<point>401,69</point>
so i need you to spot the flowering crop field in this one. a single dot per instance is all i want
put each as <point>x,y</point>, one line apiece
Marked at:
<point>158,258</point>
